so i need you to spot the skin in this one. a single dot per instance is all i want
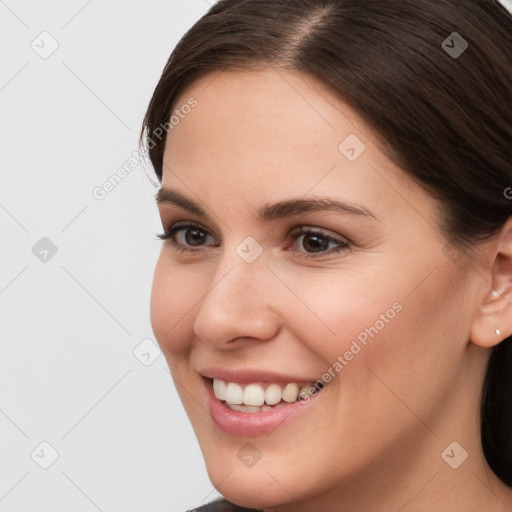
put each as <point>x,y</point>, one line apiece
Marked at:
<point>261,136</point>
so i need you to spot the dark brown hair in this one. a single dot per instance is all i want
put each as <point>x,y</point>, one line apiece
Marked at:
<point>445,119</point>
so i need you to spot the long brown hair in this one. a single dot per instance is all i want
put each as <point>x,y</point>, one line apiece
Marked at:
<point>444,117</point>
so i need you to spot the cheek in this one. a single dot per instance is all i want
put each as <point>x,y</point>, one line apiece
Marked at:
<point>354,323</point>
<point>174,293</point>
<point>340,312</point>
<point>405,347</point>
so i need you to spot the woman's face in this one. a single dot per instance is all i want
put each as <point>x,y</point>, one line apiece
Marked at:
<point>379,307</point>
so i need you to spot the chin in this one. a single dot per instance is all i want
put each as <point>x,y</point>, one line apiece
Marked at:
<point>268,483</point>
<point>251,488</point>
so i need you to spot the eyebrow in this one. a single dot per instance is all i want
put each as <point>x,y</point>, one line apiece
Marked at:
<point>269,212</point>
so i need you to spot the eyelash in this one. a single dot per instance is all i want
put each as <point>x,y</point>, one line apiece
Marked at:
<point>169,235</point>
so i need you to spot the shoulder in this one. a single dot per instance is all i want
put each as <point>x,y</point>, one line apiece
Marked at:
<point>222,505</point>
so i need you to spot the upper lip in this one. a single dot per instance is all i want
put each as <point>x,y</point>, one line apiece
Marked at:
<point>248,375</point>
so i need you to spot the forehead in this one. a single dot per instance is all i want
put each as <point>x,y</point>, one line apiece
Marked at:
<point>270,102</point>
<point>264,133</point>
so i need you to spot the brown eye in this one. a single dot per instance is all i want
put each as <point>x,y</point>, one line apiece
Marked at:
<point>185,236</point>
<point>194,236</point>
<point>317,243</point>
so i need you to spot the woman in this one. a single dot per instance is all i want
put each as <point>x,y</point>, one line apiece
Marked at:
<point>333,296</point>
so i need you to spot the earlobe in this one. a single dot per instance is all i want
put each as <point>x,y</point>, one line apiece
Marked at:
<point>493,322</point>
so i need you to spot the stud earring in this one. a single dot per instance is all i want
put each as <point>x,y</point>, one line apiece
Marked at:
<point>498,332</point>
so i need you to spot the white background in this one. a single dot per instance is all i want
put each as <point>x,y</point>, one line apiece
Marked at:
<point>69,326</point>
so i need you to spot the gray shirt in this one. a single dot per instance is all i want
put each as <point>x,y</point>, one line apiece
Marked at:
<point>222,505</point>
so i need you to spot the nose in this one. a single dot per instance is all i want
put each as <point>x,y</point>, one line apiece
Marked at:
<point>239,304</point>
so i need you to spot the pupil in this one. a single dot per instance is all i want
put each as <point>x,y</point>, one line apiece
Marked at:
<point>197,237</point>
<point>317,244</point>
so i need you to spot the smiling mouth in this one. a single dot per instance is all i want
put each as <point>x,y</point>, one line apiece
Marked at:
<point>262,397</point>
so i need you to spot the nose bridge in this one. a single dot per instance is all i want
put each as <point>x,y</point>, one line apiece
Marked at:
<point>241,269</point>
<point>237,303</point>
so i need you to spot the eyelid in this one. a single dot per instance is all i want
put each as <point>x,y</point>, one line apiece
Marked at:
<point>307,229</point>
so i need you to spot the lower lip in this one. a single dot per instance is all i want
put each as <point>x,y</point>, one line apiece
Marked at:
<point>247,424</point>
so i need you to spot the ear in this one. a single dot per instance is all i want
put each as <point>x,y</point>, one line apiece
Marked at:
<point>493,322</point>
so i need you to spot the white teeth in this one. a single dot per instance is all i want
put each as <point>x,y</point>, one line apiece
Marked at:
<point>219,388</point>
<point>290,392</point>
<point>254,398</point>
<point>251,409</point>
<point>254,395</point>
<point>273,394</point>
<point>234,393</point>
<point>304,391</point>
